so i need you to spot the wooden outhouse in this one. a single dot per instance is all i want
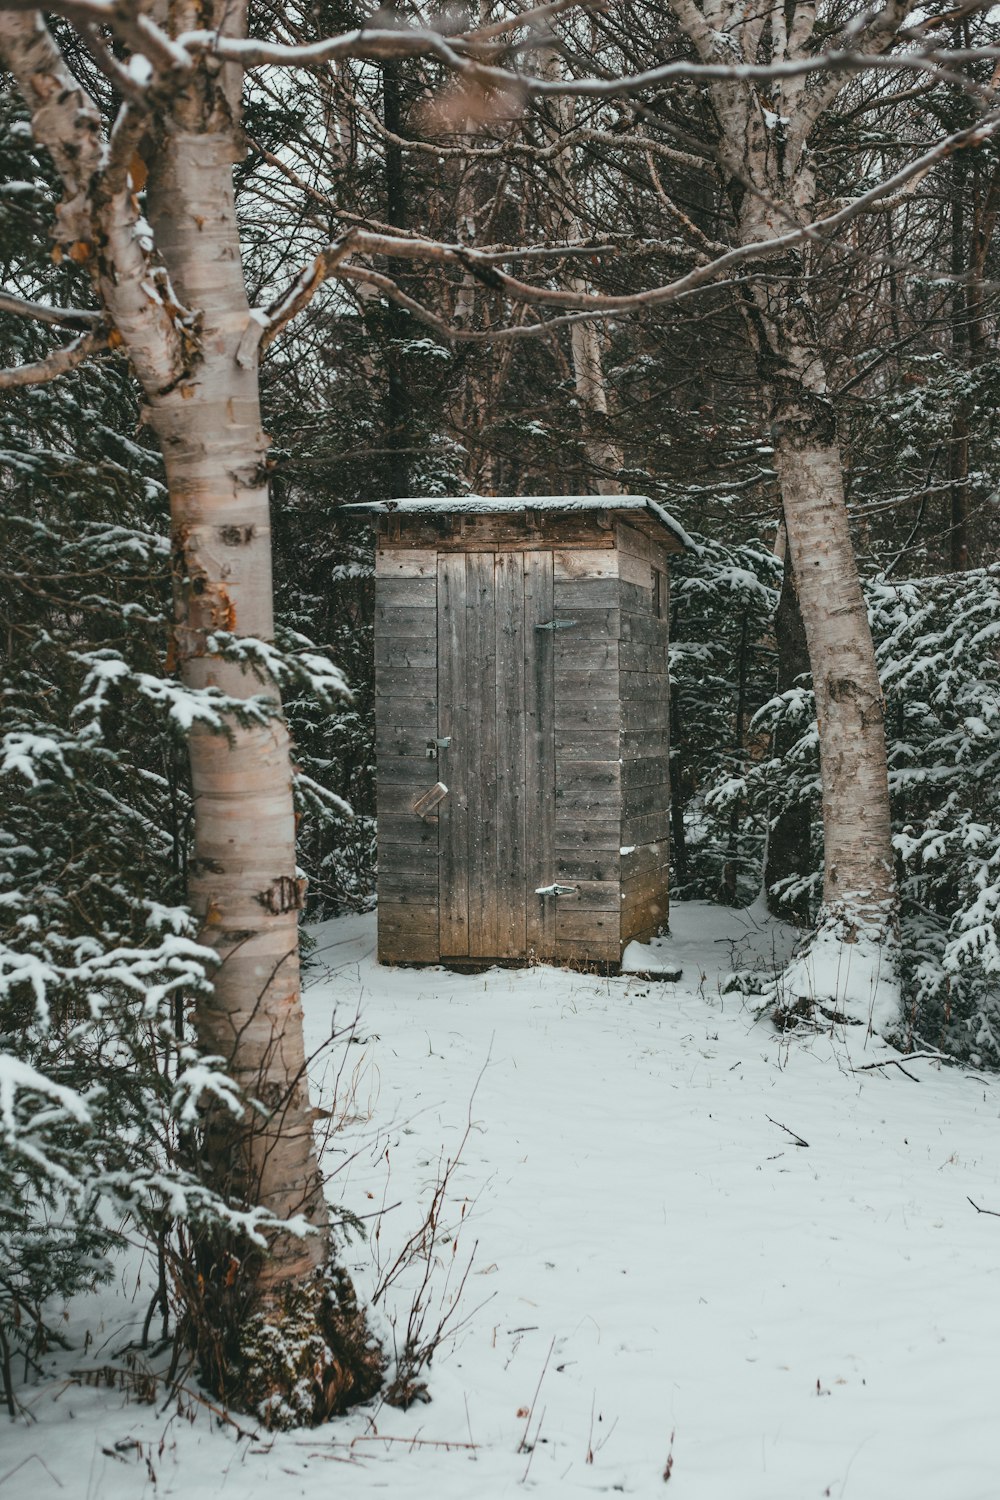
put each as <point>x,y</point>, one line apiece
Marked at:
<point>522,722</point>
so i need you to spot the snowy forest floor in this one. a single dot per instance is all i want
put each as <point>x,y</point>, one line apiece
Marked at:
<point>697,1246</point>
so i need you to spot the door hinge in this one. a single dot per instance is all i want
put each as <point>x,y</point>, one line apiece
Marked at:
<point>555,890</point>
<point>433,746</point>
<point>557,625</point>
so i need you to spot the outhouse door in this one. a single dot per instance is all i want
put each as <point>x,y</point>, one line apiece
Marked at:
<point>496,753</point>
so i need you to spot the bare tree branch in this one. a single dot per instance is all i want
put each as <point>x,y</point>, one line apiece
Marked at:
<point>54,364</point>
<point>41,312</point>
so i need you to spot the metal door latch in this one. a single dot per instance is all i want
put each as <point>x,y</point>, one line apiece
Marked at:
<point>555,890</point>
<point>433,746</point>
<point>557,625</point>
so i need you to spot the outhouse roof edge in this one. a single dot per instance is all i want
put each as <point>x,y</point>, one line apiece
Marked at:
<point>495,505</point>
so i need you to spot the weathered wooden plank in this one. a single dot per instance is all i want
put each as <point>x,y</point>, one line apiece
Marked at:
<point>406,890</point>
<point>588,895</point>
<point>585,686</point>
<point>636,628</point>
<point>648,770</point>
<point>509,768</point>
<point>600,777</point>
<point>584,563</point>
<point>405,682</point>
<point>636,744</point>
<point>413,622</point>
<point>484,533</point>
<point>638,801</point>
<point>599,931</point>
<point>591,623</point>
<point>405,562</point>
<point>574,835</point>
<point>399,797</point>
<point>404,741</point>
<point>395,591</point>
<point>456,763</point>
<point>635,600</point>
<point>643,857</point>
<point>629,539</point>
<point>643,656</point>
<point>416,861</point>
<point>403,654</point>
<point>644,712</point>
<point>595,864</point>
<point>481,696</point>
<point>652,686</point>
<point>416,715</point>
<point>407,934</point>
<point>405,828</point>
<point>647,829</point>
<point>407,770</point>
<point>539,750</point>
<point>590,593</point>
<point>584,955</point>
<point>573,713</point>
<point>635,570</point>
<point>577,653</point>
<point>588,744</point>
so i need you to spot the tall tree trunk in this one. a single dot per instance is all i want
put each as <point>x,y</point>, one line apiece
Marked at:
<point>278,1331</point>
<point>787,852</point>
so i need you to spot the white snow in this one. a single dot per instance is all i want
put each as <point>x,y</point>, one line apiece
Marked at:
<point>691,1237</point>
<point>657,957</point>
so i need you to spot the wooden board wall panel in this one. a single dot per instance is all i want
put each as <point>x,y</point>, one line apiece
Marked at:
<point>636,600</point>
<point>643,628</point>
<point>509,852</point>
<point>643,656</point>
<point>651,687</point>
<point>635,570</point>
<point>415,715</point>
<point>573,836</point>
<point>591,593</point>
<point>415,771</point>
<point>401,941</point>
<point>539,750</point>
<point>600,931</point>
<point>591,624</point>
<point>638,801</point>
<point>411,621</point>
<point>485,533</point>
<point>584,654</point>
<point>642,858</point>
<point>629,540</point>
<point>397,655</point>
<point>582,563</point>
<point>587,687</point>
<point>403,741</point>
<point>480,693</point>
<point>397,889</point>
<point>589,895</point>
<point>652,828</point>
<point>401,591</point>
<point>646,770</point>
<point>405,828</point>
<point>405,562</point>
<point>397,798</point>
<point>593,864</point>
<point>405,682</point>
<point>453,762</point>
<point>636,744</point>
<point>588,744</point>
<point>416,861</point>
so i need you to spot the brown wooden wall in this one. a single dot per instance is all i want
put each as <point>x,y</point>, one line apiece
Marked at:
<point>474,643</point>
<point>645,694</point>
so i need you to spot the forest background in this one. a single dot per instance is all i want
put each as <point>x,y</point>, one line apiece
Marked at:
<point>425,371</point>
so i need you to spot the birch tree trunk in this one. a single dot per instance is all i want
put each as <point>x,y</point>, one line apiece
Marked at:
<point>763,154</point>
<point>280,1331</point>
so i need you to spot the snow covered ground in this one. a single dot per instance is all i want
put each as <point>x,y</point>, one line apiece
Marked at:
<point>698,1248</point>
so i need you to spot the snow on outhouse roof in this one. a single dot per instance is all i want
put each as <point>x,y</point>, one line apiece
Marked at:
<point>497,505</point>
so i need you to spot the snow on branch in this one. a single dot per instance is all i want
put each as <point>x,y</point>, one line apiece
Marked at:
<point>59,362</point>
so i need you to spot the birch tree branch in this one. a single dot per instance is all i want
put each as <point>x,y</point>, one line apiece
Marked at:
<point>57,363</point>
<point>42,312</point>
